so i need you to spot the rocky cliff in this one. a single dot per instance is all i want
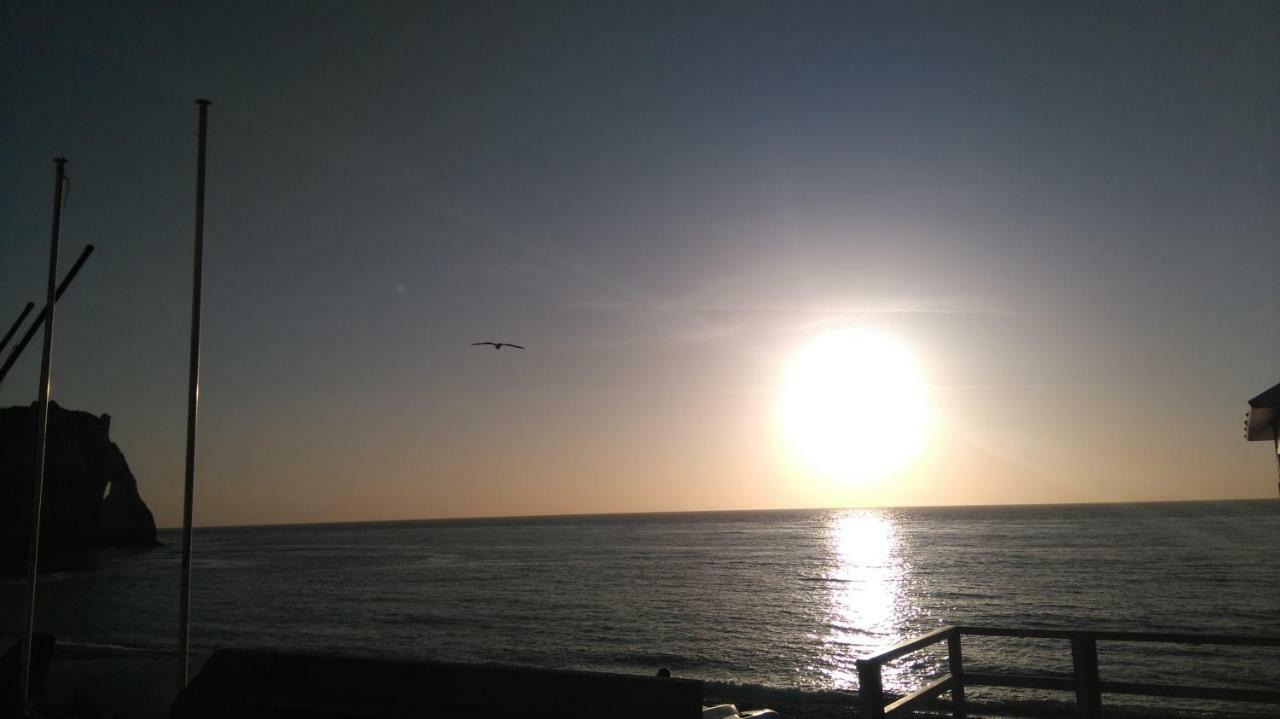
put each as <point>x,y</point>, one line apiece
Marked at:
<point>90,497</point>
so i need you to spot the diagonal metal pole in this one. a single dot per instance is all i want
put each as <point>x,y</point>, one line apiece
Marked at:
<point>42,437</point>
<point>31,331</point>
<point>16,324</point>
<point>193,401</point>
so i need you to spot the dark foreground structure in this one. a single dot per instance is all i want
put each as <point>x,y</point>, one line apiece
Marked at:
<point>1085,681</point>
<point>263,684</point>
<point>11,671</point>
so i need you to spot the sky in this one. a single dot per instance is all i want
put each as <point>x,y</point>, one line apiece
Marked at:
<point>1066,214</point>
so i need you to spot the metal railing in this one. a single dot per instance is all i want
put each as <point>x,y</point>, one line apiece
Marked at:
<point>1084,681</point>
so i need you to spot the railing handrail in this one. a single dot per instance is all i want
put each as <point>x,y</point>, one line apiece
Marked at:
<point>1084,679</point>
<point>911,645</point>
<point>1118,636</point>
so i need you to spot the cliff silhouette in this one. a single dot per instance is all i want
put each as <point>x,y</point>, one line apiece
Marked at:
<point>91,498</point>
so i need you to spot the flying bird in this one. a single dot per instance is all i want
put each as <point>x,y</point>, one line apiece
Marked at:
<point>497,345</point>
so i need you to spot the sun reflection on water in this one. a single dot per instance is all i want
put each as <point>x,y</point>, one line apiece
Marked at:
<point>867,607</point>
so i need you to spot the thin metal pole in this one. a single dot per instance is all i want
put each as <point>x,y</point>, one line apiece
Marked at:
<point>42,437</point>
<point>31,331</point>
<point>1275,443</point>
<point>193,401</point>
<point>16,324</point>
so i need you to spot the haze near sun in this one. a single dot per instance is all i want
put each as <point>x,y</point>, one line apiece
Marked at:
<point>854,406</point>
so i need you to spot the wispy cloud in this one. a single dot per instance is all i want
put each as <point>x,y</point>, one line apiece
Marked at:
<point>691,320</point>
<point>922,308</point>
<point>1061,385</point>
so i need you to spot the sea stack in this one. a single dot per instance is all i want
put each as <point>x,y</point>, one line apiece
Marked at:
<point>91,498</point>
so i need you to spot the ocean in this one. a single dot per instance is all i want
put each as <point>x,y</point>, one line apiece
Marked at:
<point>781,599</point>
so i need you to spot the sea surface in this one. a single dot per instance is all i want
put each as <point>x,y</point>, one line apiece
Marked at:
<point>780,599</point>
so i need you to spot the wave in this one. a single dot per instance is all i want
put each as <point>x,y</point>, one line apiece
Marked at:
<point>825,580</point>
<point>759,693</point>
<point>684,662</point>
<point>110,647</point>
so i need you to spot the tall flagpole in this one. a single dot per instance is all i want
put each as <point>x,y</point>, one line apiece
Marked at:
<point>193,401</point>
<point>42,437</point>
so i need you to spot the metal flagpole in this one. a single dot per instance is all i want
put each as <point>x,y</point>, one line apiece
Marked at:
<point>42,437</point>
<point>16,324</point>
<point>193,401</point>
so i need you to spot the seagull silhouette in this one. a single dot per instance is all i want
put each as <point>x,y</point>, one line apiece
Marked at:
<point>497,345</point>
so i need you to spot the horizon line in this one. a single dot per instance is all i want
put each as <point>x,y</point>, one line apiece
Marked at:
<point>576,515</point>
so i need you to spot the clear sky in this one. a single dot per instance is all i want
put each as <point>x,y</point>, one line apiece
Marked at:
<point>1066,215</point>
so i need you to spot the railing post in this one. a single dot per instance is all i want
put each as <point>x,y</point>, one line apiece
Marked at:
<point>1084,662</point>
<point>870,690</point>
<point>955,660</point>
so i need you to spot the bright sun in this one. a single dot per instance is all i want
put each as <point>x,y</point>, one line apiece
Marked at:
<point>854,405</point>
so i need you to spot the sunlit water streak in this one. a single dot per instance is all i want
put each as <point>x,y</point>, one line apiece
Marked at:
<point>782,599</point>
<point>865,590</point>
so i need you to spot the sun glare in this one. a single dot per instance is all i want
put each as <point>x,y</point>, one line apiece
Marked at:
<point>854,405</point>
